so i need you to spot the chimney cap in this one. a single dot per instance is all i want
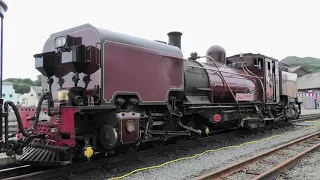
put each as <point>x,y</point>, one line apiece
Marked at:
<point>174,33</point>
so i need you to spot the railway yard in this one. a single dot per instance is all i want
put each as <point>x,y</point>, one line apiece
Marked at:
<point>199,159</point>
<point>111,105</point>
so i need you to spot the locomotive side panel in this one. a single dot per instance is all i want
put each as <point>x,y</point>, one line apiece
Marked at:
<point>147,73</point>
<point>289,84</point>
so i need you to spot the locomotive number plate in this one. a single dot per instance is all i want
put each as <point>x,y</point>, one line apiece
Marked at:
<point>244,97</point>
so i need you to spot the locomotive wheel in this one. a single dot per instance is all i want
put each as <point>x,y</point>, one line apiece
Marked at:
<point>108,137</point>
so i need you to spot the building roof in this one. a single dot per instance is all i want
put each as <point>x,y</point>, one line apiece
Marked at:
<point>309,81</point>
<point>37,89</point>
<point>292,69</point>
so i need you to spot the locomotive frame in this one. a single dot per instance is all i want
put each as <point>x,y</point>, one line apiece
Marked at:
<point>98,98</point>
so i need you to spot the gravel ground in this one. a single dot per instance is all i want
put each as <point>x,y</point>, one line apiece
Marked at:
<point>199,164</point>
<point>269,162</point>
<point>307,168</point>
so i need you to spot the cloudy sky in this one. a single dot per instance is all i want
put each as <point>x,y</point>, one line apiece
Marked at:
<point>271,27</point>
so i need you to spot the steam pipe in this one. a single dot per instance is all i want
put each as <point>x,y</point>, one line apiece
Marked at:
<point>198,131</point>
<point>36,118</point>
<point>16,112</point>
<point>49,97</point>
<point>263,88</point>
<point>20,125</point>
<point>218,70</point>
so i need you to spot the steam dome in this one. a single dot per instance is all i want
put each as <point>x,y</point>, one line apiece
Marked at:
<point>218,53</point>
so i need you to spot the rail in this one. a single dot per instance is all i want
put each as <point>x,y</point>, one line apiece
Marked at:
<point>236,167</point>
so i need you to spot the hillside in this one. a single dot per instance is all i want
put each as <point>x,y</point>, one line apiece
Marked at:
<point>313,64</point>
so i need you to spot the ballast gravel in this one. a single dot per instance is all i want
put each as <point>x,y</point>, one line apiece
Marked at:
<point>207,162</point>
<point>308,168</point>
<point>269,162</point>
<point>211,161</point>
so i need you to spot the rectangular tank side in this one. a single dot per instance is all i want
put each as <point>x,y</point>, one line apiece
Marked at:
<point>145,72</point>
<point>289,84</point>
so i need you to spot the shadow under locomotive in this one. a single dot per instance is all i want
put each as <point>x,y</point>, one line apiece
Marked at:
<point>108,93</point>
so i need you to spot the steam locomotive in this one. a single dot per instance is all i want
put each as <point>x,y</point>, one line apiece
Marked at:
<point>107,93</point>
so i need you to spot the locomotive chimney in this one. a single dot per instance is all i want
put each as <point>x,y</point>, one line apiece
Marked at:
<point>175,39</point>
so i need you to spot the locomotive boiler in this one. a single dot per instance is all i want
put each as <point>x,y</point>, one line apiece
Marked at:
<point>109,93</point>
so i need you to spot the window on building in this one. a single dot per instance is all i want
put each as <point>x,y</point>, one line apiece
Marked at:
<point>10,95</point>
<point>3,95</point>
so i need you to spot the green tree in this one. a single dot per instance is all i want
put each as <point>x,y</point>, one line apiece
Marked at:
<point>23,85</point>
<point>27,81</point>
<point>22,88</point>
<point>38,81</point>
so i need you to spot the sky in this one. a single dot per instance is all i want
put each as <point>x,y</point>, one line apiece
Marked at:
<point>271,27</point>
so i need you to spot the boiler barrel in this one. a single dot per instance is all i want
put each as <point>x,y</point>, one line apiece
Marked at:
<point>237,83</point>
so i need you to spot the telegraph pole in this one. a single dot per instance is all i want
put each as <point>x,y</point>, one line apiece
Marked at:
<point>3,9</point>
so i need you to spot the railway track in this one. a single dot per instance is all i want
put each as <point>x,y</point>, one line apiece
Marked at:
<point>19,170</point>
<point>307,117</point>
<point>27,172</point>
<point>58,172</point>
<point>268,164</point>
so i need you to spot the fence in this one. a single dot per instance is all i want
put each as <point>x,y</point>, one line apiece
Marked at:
<point>310,100</point>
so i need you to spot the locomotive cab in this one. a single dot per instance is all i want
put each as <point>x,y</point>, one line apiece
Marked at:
<point>280,85</point>
<point>261,66</point>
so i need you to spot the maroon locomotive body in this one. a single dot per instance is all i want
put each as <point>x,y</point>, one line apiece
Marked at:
<point>108,93</point>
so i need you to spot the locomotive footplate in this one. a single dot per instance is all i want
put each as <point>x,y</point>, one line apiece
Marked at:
<point>45,155</point>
